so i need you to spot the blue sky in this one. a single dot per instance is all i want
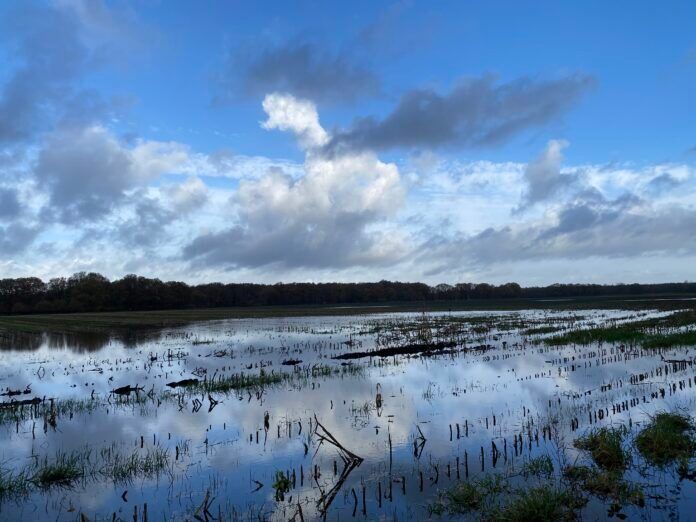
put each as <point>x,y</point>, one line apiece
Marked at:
<point>435,141</point>
<point>643,58</point>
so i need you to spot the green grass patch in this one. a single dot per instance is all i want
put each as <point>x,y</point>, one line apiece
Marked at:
<point>126,468</point>
<point>13,484</point>
<point>669,437</point>
<point>538,467</point>
<point>655,332</point>
<point>474,495</point>
<point>605,484</point>
<point>623,334</point>
<point>541,503</point>
<point>64,471</point>
<point>241,381</point>
<point>539,330</point>
<point>605,447</point>
<point>670,340</point>
<point>493,498</point>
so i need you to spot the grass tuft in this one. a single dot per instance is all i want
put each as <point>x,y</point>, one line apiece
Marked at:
<point>538,467</point>
<point>63,471</point>
<point>470,496</point>
<point>281,485</point>
<point>668,437</point>
<point>604,445</point>
<point>605,484</point>
<point>13,484</point>
<point>124,469</point>
<point>541,503</point>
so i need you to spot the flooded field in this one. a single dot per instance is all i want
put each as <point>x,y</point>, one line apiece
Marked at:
<point>404,416</point>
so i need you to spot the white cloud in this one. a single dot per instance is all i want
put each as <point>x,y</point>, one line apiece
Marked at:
<point>335,216</point>
<point>330,216</point>
<point>285,112</point>
<point>543,176</point>
<point>87,171</point>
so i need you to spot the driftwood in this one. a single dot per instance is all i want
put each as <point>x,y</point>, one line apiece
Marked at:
<point>184,383</point>
<point>676,361</point>
<point>127,390</point>
<point>419,443</point>
<point>204,509</point>
<point>409,349</point>
<point>13,404</point>
<point>350,461</point>
<point>14,393</point>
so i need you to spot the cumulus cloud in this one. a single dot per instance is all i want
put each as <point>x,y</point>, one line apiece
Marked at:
<point>543,175</point>
<point>303,69</point>
<point>285,112</point>
<point>582,231</point>
<point>584,223</point>
<point>329,217</point>
<point>664,183</point>
<point>476,112</point>
<point>87,171</point>
<point>151,211</point>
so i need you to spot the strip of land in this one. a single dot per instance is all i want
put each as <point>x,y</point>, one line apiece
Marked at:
<point>105,321</point>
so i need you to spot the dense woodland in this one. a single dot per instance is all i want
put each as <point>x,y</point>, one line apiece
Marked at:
<point>91,292</point>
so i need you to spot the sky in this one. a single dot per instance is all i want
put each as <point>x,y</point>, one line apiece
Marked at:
<point>442,142</point>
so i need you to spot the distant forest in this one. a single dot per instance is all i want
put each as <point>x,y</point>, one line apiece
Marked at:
<point>89,292</point>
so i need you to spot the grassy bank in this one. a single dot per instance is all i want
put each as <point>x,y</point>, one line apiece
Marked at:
<point>167,318</point>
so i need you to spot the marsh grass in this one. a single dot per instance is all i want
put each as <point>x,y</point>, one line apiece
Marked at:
<point>281,486</point>
<point>669,437</point>
<point>654,333</point>
<point>670,340</point>
<point>71,407</point>
<point>545,502</point>
<point>63,471</point>
<point>493,498</point>
<point>13,484</point>
<point>622,334</point>
<point>474,495</point>
<point>538,466</point>
<point>126,468</point>
<point>605,484</point>
<point>240,381</point>
<point>539,330</point>
<point>605,447</point>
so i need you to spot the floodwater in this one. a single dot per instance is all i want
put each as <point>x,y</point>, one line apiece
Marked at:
<point>365,438</point>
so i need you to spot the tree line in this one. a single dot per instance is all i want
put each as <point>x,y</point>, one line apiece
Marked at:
<point>91,292</point>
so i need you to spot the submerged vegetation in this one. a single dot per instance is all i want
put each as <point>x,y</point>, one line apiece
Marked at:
<point>495,498</point>
<point>250,398</point>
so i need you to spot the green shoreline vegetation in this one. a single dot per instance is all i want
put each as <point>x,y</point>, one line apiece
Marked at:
<point>107,321</point>
<point>651,333</point>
